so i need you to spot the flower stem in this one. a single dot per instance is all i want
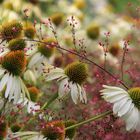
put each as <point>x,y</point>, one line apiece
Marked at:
<point>90,120</point>
<point>54,97</point>
<point>85,58</point>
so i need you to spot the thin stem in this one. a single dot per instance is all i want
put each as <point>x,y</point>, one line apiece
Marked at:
<point>53,98</point>
<point>90,120</point>
<point>85,58</point>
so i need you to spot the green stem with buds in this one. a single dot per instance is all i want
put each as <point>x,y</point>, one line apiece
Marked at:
<point>89,120</point>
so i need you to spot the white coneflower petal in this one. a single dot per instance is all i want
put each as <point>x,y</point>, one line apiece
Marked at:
<point>84,95</point>
<point>13,89</point>
<point>17,90</point>
<point>125,108</point>
<point>9,86</point>
<point>80,93</point>
<point>113,88</point>
<point>53,76</point>
<point>3,81</point>
<point>125,105</point>
<point>34,59</point>
<point>115,98</point>
<point>118,105</point>
<point>63,88</point>
<point>132,120</point>
<point>74,92</point>
<point>2,71</point>
<point>138,124</point>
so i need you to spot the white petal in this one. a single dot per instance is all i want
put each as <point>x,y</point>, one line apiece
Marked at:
<point>4,81</point>
<point>132,119</point>
<point>9,86</point>
<point>125,108</point>
<point>34,59</point>
<point>12,92</point>
<point>17,93</point>
<point>138,123</point>
<point>80,93</point>
<point>119,104</point>
<point>74,92</point>
<point>116,98</point>
<point>1,72</point>
<point>63,88</point>
<point>112,87</point>
<point>53,76</point>
<point>84,95</point>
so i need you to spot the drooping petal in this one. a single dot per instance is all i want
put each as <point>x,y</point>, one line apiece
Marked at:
<point>84,95</point>
<point>74,92</point>
<point>119,104</point>
<point>4,81</point>
<point>125,108</point>
<point>138,123</point>
<point>63,88</point>
<point>9,86</point>
<point>132,119</point>
<point>112,88</point>
<point>34,59</point>
<point>53,76</point>
<point>1,72</point>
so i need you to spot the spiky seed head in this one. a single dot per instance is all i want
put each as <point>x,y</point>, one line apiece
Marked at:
<point>93,31</point>
<point>80,4</point>
<point>29,31</point>
<point>114,49</point>
<point>16,127</point>
<point>34,93</point>
<point>54,130</point>
<point>3,129</point>
<point>47,50</point>
<point>57,18</point>
<point>77,72</point>
<point>11,30</point>
<point>16,44</point>
<point>135,96</point>
<point>70,133</point>
<point>14,62</point>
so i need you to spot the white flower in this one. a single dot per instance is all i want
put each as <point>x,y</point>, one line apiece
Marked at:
<point>13,86</point>
<point>126,104</point>
<point>67,84</point>
<point>41,53</point>
<point>30,77</point>
<point>30,135</point>
<point>32,107</point>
